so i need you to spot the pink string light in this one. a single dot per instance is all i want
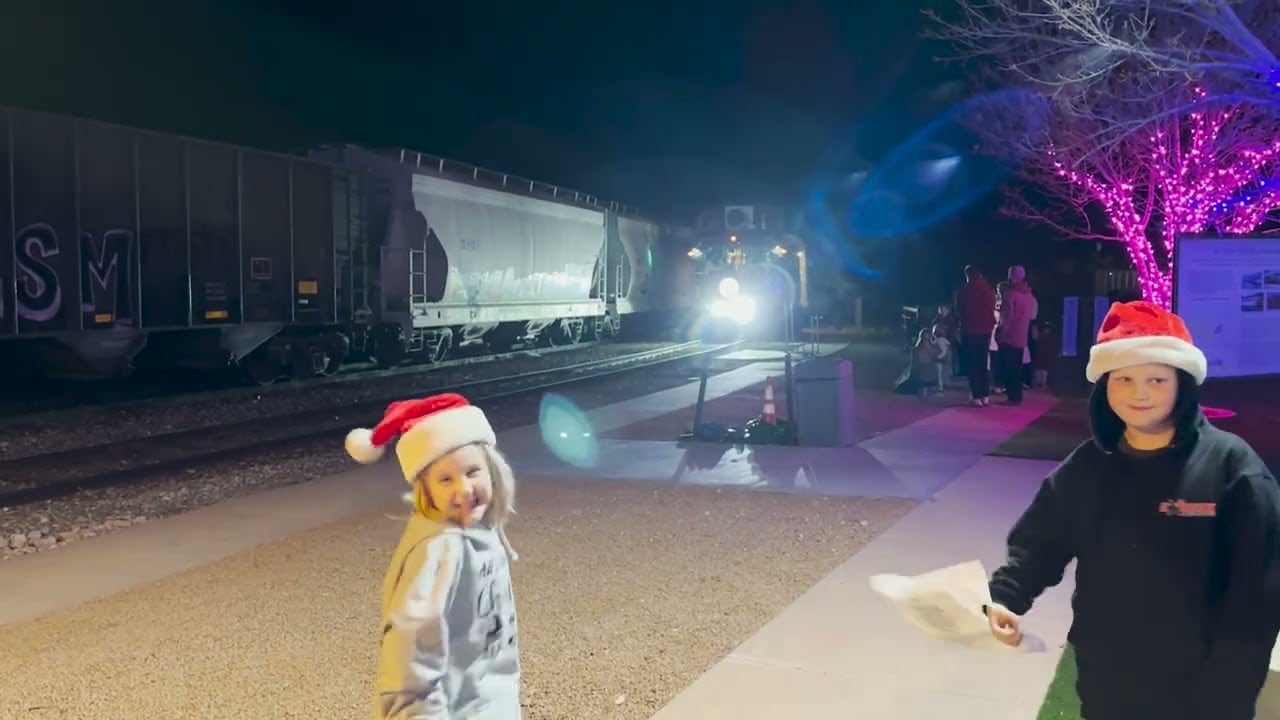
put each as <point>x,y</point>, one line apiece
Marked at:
<point>1198,174</point>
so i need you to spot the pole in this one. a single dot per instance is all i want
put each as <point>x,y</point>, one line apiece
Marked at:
<point>791,399</point>
<point>702,394</point>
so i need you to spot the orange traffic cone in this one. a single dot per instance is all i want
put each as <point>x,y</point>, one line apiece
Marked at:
<point>770,413</point>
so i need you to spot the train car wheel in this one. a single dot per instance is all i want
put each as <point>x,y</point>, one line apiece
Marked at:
<point>553,335</point>
<point>576,329</point>
<point>336,350</point>
<point>261,367</point>
<point>610,327</point>
<point>330,366</point>
<point>442,347</point>
<point>388,352</point>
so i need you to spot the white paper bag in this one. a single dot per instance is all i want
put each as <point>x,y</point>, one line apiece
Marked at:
<point>947,604</point>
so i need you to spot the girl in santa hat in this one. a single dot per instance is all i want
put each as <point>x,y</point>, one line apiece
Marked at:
<point>449,640</point>
<point>1175,528</point>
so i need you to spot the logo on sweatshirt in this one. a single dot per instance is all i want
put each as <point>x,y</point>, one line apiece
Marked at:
<point>1182,508</point>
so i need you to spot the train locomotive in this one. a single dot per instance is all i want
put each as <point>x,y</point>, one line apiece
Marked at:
<point>752,273</point>
<point>122,247</point>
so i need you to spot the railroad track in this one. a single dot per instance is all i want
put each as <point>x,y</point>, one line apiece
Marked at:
<point>18,412</point>
<point>60,474</point>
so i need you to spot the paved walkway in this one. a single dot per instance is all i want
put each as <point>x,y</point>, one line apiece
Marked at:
<point>841,650</point>
<point>841,647</point>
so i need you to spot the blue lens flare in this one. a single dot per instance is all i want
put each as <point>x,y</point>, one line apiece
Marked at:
<point>949,164</point>
<point>567,432</point>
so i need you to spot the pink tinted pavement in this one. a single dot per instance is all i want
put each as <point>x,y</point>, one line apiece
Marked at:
<point>841,651</point>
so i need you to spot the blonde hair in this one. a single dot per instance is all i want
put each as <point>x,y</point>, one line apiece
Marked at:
<point>501,506</point>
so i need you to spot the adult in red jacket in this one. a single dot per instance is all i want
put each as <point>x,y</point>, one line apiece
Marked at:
<point>976,306</point>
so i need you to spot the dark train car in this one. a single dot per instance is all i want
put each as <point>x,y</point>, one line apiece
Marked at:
<point>118,244</point>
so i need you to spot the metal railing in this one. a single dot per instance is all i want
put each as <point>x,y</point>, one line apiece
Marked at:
<point>447,168</point>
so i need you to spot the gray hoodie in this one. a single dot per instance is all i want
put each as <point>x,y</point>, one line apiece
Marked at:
<point>449,641</point>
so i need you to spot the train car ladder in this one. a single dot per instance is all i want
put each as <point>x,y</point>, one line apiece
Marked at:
<point>417,278</point>
<point>361,311</point>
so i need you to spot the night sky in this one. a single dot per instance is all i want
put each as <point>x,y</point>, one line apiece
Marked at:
<point>671,106</point>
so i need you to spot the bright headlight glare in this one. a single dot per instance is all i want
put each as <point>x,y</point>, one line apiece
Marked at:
<point>728,288</point>
<point>741,310</point>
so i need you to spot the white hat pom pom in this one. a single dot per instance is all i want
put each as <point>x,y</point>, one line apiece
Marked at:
<point>360,446</point>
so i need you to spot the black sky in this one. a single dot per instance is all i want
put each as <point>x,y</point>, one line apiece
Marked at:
<point>665,104</point>
<point>670,106</point>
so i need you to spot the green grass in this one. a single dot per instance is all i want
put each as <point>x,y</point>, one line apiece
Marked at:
<point>1061,703</point>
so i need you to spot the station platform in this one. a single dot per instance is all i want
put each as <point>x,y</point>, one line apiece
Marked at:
<point>654,561</point>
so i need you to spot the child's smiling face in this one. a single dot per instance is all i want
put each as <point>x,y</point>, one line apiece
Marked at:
<point>1143,396</point>
<point>459,485</point>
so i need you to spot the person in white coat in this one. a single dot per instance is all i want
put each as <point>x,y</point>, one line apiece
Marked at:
<point>449,641</point>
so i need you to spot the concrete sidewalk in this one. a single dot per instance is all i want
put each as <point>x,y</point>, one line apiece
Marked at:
<point>840,650</point>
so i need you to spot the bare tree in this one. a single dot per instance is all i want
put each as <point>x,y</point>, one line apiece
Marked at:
<point>1071,50</point>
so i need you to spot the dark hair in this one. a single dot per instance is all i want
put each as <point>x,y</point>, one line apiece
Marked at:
<point>972,271</point>
<point>1108,427</point>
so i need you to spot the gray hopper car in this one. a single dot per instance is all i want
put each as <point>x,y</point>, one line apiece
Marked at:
<point>120,246</point>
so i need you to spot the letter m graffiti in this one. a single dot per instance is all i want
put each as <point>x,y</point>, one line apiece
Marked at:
<point>104,275</point>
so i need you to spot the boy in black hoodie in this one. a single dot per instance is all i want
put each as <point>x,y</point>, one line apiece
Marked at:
<point>1175,527</point>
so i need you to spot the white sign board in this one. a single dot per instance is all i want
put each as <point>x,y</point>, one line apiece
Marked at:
<point>1227,290</point>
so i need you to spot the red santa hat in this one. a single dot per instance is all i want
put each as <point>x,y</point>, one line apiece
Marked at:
<point>429,428</point>
<point>1136,333</point>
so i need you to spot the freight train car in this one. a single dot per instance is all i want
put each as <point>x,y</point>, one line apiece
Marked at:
<point>651,279</point>
<point>113,240</point>
<point>470,260</point>
<point>122,248</point>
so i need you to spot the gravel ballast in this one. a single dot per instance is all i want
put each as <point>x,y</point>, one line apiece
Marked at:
<point>24,436</point>
<point>626,593</point>
<point>45,525</point>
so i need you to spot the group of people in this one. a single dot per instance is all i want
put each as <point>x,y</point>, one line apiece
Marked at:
<point>995,333</point>
<point>1174,525</point>
<point>993,338</point>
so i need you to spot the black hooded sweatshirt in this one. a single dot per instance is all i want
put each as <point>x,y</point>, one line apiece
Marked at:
<point>1177,599</point>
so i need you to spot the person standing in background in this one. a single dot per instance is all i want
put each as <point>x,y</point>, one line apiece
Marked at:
<point>975,306</point>
<point>1029,357</point>
<point>947,327</point>
<point>1017,306</point>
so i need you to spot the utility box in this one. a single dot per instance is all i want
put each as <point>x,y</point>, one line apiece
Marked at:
<point>824,403</point>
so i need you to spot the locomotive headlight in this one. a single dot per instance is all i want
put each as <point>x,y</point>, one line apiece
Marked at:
<point>740,309</point>
<point>744,310</point>
<point>728,288</point>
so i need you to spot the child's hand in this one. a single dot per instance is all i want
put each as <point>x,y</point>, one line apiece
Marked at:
<point>1005,626</point>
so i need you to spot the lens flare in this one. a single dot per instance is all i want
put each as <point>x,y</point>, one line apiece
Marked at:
<point>567,432</point>
<point>948,165</point>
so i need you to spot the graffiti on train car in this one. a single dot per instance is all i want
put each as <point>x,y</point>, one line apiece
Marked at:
<point>105,281</point>
<point>105,290</point>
